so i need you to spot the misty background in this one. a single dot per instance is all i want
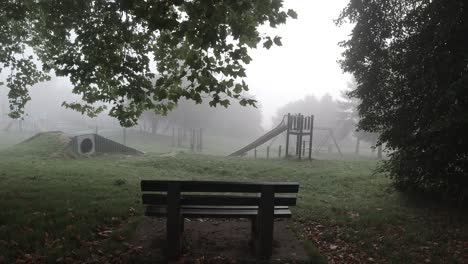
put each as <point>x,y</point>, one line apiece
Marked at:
<point>302,76</point>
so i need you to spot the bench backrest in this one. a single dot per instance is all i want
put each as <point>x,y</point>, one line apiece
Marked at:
<point>208,193</point>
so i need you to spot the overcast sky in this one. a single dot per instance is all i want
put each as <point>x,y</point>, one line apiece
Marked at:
<point>306,63</point>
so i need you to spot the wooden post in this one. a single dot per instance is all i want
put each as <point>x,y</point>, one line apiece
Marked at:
<point>179,137</point>
<point>154,125</point>
<point>255,153</point>
<point>288,125</point>
<point>303,148</point>
<point>279,151</point>
<point>173,222</point>
<point>194,140</point>
<point>268,152</point>
<point>173,137</point>
<point>265,223</point>
<point>311,136</point>
<point>299,136</point>
<point>358,143</point>
<point>200,141</point>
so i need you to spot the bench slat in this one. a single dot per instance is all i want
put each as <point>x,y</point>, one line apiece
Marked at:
<point>161,199</point>
<point>214,212</point>
<point>248,207</point>
<point>216,186</point>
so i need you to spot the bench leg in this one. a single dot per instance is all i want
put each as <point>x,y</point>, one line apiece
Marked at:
<point>182,222</point>
<point>174,235</point>
<point>253,233</point>
<point>253,229</point>
<point>174,222</point>
<point>265,223</point>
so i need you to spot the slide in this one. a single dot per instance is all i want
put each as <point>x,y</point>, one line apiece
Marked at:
<point>263,139</point>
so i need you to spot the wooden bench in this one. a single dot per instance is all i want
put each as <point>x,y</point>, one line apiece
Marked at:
<point>258,202</point>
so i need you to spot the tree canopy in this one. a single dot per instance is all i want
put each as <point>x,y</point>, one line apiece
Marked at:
<point>409,59</point>
<point>235,121</point>
<point>112,50</point>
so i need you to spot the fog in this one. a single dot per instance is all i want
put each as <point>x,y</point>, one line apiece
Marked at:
<point>302,76</point>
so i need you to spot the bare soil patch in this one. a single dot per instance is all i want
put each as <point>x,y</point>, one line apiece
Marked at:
<point>218,241</point>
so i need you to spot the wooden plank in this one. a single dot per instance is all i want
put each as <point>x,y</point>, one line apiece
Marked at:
<point>223,200</point>
<point>215,207</point>
<point>217,186</point>
<point>311,136</point>
<point>159,211</point>
<point>299,137</point>
<point>197,213</point>
<point>230,207</point>
<point>288,132</point>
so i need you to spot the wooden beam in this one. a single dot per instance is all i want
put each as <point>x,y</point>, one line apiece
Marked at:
<point>288,131</point>
<point>311,136</point>
<point>216,199</point>
<point>218,186</point>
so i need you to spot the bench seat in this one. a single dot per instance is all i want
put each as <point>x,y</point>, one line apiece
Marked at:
<point>204,211</point>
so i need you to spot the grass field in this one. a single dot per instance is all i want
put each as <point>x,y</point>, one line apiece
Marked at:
<point>56,209</point>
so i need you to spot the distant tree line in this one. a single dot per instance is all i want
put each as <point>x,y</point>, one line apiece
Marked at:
<point>234,121</point>
<point>340,116</point>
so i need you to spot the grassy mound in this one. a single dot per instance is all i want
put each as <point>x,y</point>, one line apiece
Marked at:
<point>46,144</point>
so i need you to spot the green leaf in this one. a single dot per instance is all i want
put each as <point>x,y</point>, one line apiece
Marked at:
<point>277,41</point>
<point>237,88</point>
<point>292,13</point>
<point>267,44</point>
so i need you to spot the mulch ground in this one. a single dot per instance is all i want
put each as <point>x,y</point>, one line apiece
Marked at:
<point>218,241</point>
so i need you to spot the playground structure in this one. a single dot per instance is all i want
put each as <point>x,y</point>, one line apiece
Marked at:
<point>188,138</point>
<point>300,126</point>
<point>296,126</point>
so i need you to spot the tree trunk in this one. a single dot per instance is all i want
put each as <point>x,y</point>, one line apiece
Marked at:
<point>154,126</point>
<point>379,152</point>
<point>358,142</point>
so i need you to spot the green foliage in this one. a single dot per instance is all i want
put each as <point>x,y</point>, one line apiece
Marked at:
<point>325,110</point>
<point>349,116</point>
<point>106,49</point>
<point>409,60</point>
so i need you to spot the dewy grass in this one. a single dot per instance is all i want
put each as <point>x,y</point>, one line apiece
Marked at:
<point>76,200</point>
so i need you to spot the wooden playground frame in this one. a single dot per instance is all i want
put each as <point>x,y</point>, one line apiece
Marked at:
<point>195,136</point>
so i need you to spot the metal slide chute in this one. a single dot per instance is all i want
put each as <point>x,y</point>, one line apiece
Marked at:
<point>263,139</point>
